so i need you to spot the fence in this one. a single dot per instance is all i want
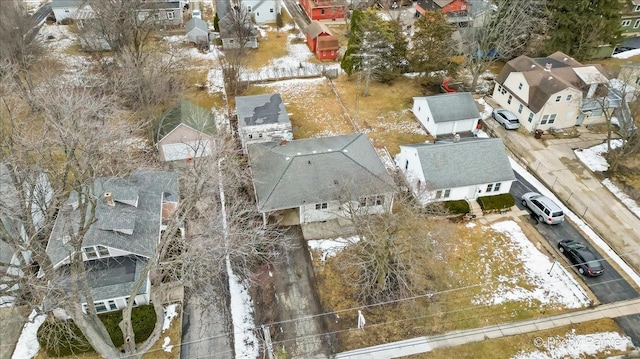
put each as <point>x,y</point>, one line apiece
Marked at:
<point>303,70</point>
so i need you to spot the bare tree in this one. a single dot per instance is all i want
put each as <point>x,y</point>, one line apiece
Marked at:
<point>503,35</point>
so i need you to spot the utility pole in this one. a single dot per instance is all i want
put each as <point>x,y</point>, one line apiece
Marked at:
<point>366,64</point>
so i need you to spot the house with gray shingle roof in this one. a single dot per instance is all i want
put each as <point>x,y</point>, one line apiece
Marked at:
<point>197,31</point>
<point>554,92</point>
<point>262,118</point>
<point>184,132</point>
<point>319,179</point>
<point>464,170</point>
<point>129,217</point>
<point>447,114</point>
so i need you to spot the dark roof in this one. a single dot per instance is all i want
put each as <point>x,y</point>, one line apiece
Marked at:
<point>543,83</point>
<point>328,43</point>
<point>160,5</point>
<point>131,226</point>
<point>315,28</point>
<point>260,110</point>
<point>188,113</point>
<point>454,106</point>
<point>196,23</point>
<point>316,170</point>
<point>464,163</point>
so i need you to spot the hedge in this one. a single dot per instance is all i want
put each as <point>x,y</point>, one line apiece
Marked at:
<point>457,207</point>
<point>497,202</point>
<point>59,343</point>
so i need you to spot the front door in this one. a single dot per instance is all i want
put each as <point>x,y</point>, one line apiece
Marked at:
<point>580,119</point>
<point>472,192</point>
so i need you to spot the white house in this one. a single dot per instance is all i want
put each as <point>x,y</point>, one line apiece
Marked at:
<point>262,11</point>
<point>236,31</point>
<point>66,9</point>
<point>464,170</point>
<point>262,118</point>
<point>554,92</point>
<point>129,218</point>
<point>447,114</point>
<point>197,31</point>
<point>319,179</point>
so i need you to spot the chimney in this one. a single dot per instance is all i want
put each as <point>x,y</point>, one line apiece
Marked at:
<point>108,199</point>
<point>283,142</point>
<point>547,67</point>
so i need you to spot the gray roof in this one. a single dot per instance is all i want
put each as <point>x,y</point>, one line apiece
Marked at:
<point>465,163</point>
<point>9,205</point>
<point>160,5</point>
<point>123,226</point>
<point>111,277</point>
<point>196,23</point>
<point>260,110</point>
<point>452,107</point>
<point>187,113</point>
<point>316,170</point>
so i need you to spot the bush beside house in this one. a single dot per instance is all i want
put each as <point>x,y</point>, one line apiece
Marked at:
<point>496,203</point>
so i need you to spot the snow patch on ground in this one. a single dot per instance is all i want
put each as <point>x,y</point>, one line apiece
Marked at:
<point>245,340</point>
<point>576,346</point>
<point>626,200</point>
<point>487,109</point>
<point>592,157</point>
<point>28,346</point>
<point>170,312</point>
<point>331,247</point>
<point>165,345</point>
<point>558,287</point>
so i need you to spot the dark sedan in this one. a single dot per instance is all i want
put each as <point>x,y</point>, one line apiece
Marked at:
<point>581,257</point>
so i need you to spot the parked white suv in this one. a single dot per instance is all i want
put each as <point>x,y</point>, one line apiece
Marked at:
<point>544,208</point>
<point>196,14</point>
<point>507,119</point>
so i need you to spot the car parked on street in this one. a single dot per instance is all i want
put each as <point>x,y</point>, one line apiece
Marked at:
<point>581,257</point>
<point>507,119</point>
<point>543,208</point>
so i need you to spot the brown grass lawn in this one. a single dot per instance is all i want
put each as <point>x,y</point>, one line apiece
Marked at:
<point>272,46</point>
<point>472,262</point>
<point>385,114</point>
<point>314,110</point>
<point>510,346</point>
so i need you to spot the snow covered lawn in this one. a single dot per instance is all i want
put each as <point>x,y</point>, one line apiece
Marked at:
<point>28,345</point>
<point>573,345</point>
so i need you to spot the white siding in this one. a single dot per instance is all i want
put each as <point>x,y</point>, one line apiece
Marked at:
<point>65,13</point>
<point>309,213</point>
<point>263,11</point>
<point>264,133</point>
<point>423,114</point>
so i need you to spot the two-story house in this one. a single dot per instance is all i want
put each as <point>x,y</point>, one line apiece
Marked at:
<point>324,9</point>
<point>129,216</point>
<point>555,92</point>
<point>630,18</point>
<point>262,118</point>
<point>319,179</point>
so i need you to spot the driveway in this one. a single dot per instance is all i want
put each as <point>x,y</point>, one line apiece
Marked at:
<point>609,287</point>
<point>206,329</point>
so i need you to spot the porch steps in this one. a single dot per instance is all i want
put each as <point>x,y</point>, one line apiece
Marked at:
<point>474,209</point>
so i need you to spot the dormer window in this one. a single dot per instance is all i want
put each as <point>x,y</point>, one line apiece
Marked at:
<point>637,8</point>
<point>568,98</point>
<point>558,98</point>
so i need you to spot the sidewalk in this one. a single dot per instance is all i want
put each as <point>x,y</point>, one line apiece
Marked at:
<point>555,164</point>
<point>426,344</point>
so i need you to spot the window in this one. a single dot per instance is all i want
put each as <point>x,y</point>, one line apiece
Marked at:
<point>489,187</point>
<point>530,117</point>
<point>597,113</point>
<point>447,192</point>
<point>90,252</point>
<point>496,188</point>
<point>135,302</point>
<point>637,80</point>
<point>100,307</point>
<point>321,205</point>
<point>637,8</point>
<point>636,24</point>
<point>406,164</point>
<point>112,305</point>
<point>568,97</point>
<point>552,118</point>
<point>509,99</point>
<point>520,108</point>
<point>324,52</point>
<point>372,201</point>
<point>103,251</point>
<point>520,86</point>
<point>156,16</point>
<point>271,10</point>
<point>558,98</point>
<point>170,15</point>
<point>322,11</point>
<point>248,8</point>
<point>438,194</point>
<point>545,119</point>
<point>626,23</point>
<point>260,135</point>
<point>502,90</point>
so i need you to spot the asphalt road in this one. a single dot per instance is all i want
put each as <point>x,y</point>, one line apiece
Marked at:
<point>609,287</point>
<point>206,330</point>
<point>631,326</point>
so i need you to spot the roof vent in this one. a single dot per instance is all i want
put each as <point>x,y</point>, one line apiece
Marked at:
<point>533,66</point>
<point>550,78</point>
<point>565,59</point>
<point>547,67</point>
<point>283,142</point>
<point>345,150</point>
<point>329,150</point>
<point>287,158</point>
<point>108,199</point>
<point>335,181</point>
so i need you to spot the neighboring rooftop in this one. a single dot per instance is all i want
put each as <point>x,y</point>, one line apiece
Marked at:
<point>196,23</point>
<point>454,106</point>
<point>299,172</point>
<point>464,163</point>
<point>66,3</point>
<point>187,113</point>
<point>261,110</point>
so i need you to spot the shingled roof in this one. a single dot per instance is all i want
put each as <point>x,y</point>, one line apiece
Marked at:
<point>454,106</point>
<point>316,28</point>
<point>316,170</point>
<point>465,163</point>
<point>260,110</point>
<point>565,72</point>
<point>188,113</point>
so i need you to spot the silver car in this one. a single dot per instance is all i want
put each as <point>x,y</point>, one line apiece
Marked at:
<point>543,208</point>
<point>506,118</point>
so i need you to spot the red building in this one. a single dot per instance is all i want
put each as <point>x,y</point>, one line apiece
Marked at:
<point>321,41</point>
<point>324,9</point>
<point>456,11</point>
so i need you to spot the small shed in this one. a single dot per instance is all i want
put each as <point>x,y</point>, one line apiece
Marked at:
<point>321,41</point>
<point>447,114</point>
<point>184,132</point>
<point>197,31</point>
